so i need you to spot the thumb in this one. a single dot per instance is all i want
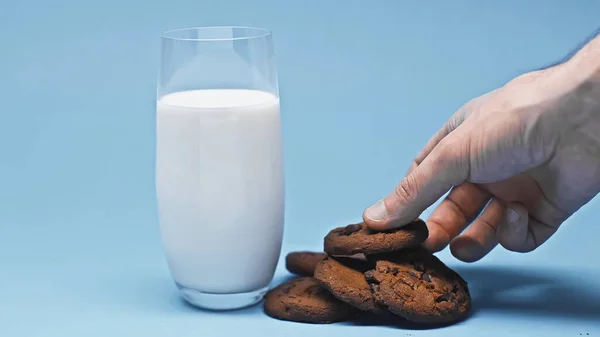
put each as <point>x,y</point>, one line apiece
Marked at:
<point>446,166</point>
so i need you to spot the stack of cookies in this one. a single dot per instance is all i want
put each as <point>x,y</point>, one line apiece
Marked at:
<point>361,270</point>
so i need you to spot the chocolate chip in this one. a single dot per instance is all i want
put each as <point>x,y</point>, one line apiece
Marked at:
<point>412,274</point>
<point>313,290</point>
<point>394,271</point>
<point>444,298</point>
<point>348,230</point>
<point>370,276</point>
<point>425,277</point>
<point>418,266</point>
<point>289,288</point>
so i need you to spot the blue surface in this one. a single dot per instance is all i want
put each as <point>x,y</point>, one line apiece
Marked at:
<point>363,84</point>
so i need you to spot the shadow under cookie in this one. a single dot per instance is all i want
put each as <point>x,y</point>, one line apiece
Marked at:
<point>545,292</point>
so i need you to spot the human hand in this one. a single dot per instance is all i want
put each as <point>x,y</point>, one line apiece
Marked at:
<point>526,154</point>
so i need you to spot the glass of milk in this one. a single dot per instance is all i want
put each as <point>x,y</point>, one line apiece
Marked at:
<point>219,164</point>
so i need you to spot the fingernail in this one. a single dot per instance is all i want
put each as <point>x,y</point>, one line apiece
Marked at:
<point>512,216</point>
<point>377,212</point>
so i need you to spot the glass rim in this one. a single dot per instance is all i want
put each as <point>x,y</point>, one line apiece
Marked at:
<point>258,33</point>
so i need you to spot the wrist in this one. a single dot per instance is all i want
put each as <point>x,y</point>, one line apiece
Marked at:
<point>570,95</point>
<point>584,70</point>
<point>581,105</point>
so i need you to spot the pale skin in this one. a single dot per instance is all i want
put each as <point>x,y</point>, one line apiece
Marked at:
<point>517,161</point>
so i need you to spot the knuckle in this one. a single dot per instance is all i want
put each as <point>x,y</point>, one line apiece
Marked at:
<point>490,228</point>
<point>454,121</point>
<point>449,152</point>
<point>453,124</point>
<point>445,145</point>
<point>474,106</point>
<point>406,190</point>
<point>439,237</point>
<point>469,107</point>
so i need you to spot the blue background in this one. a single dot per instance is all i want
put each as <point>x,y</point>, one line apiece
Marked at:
<point>364,84</point>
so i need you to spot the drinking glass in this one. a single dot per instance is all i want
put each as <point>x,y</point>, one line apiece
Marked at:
<point>219,163</point>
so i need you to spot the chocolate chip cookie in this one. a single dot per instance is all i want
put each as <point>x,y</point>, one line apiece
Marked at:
<point>304,300</point>
<point>344,278</point>
<point>359,238</point>
<point>303,263</point>
<point>418,286</point>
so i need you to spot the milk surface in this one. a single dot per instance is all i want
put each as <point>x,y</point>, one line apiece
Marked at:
<point>220,187</point>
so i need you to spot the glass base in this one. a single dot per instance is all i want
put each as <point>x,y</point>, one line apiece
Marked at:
<point>221,301</point>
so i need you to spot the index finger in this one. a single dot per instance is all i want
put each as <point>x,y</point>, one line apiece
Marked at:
<point>444,168</point>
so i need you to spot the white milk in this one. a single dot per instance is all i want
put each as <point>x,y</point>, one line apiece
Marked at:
<point>220,188</point>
